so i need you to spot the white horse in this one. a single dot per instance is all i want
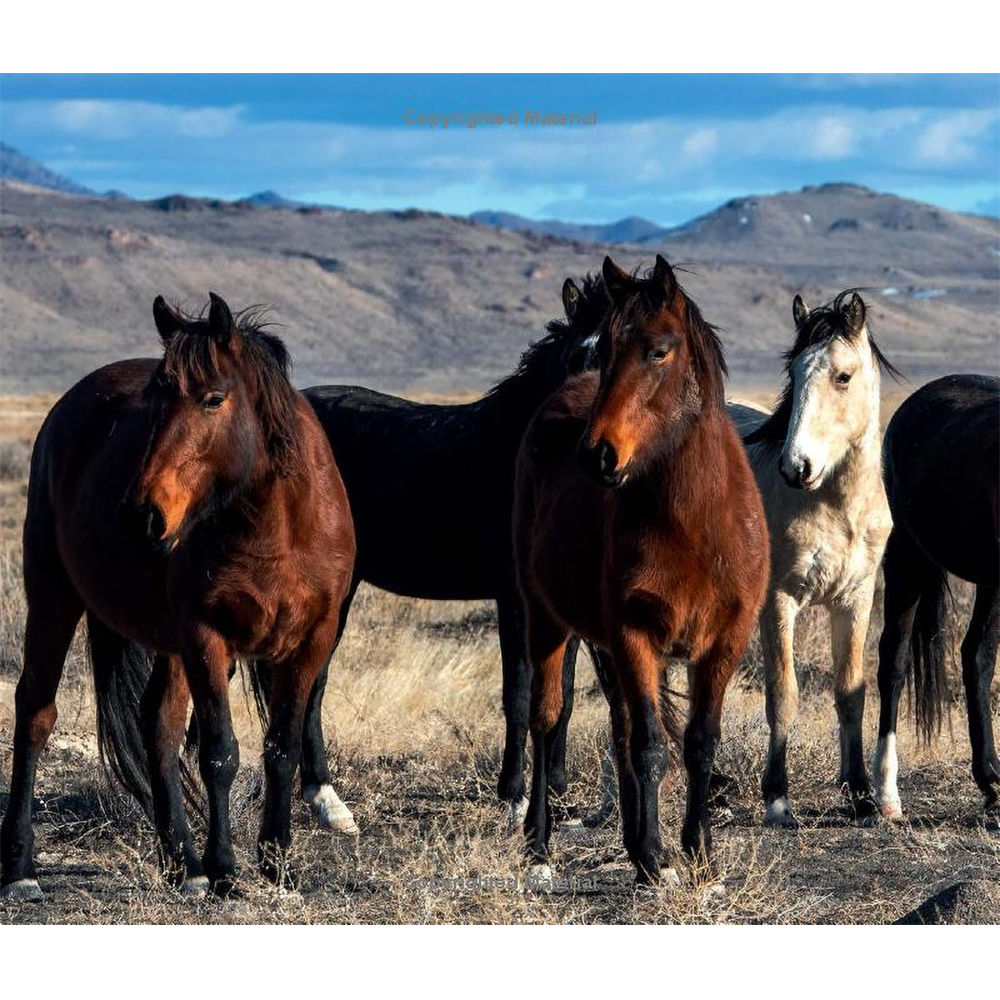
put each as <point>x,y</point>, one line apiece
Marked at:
<point>817,459</point>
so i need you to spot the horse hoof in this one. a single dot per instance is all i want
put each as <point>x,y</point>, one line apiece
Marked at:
<point>779,815</point>
<point>539,878</point>
<point>891,809</point>
<point>195,887</point>
<point>25,890</point>
<point>518,813</point>
<point>329,809</point>
<point>670,879</point>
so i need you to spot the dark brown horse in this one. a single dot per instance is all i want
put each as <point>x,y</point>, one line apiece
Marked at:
<point>190,506</point>
<point>638,526</point>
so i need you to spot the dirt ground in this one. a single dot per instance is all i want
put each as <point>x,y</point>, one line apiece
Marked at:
<point>413,713</point>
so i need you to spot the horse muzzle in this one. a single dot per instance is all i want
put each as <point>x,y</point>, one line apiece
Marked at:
<point>600,463</point>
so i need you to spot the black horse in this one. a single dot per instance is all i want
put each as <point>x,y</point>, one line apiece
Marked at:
<point>941,460</point>
<point>431,492</point>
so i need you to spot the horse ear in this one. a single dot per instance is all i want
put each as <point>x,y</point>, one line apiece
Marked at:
<point>856,312</point>
<point>663,275</point>
<point>167,321</point>
<point>570,297</point>
<point>616,280</point>
<point>800,311</point>
<point>220,320</point>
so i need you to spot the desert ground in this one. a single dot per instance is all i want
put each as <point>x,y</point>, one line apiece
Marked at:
<point>413,714</point>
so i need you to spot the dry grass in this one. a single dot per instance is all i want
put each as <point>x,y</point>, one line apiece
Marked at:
<point>414,705</point>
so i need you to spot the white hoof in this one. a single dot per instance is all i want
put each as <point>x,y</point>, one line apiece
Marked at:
<point>329,809</point>
<point>195,887</point>
<point>779,813</point>
<point>25,890</point>
<point>518,813</point>
<point>670,879</point>
<point>891,808</point>
<point>539,879</point>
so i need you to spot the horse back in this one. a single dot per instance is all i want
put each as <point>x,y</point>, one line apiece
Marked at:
<point>941,464</point>
<point>430,486</point>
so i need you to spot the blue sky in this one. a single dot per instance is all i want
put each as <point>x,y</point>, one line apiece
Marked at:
<point>665,147</point>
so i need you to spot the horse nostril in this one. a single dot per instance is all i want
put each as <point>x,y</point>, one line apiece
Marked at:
<point>156,524</point>
<point>805,474</point>
<point>607,459</point>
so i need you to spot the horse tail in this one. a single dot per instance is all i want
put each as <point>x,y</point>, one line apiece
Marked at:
<point>121,671</point>
<point>669,716</point>
<point>926,665</point>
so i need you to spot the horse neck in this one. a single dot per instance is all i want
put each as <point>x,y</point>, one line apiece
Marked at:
<point>517,397</point>
<point>693,460</point>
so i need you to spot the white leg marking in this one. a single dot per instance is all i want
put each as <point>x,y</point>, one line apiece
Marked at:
<point>329,810</point>
<point>25,890</point>
<point>779,813</point>
<point>539,879</point>
<point>518,812</point>
<point>195,887</point>
<point>885,766</point>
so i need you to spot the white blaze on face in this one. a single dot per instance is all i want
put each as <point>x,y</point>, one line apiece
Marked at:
<point>828,415</point>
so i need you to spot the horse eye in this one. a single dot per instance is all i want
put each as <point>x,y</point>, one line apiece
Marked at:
<point>843,378</point>
<point>213,400</point>
<point>660,354</point>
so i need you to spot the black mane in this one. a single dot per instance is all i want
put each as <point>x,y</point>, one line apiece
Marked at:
<point>553,357</point>
<point>822,326</point>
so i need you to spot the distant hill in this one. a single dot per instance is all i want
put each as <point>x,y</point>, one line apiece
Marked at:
<point>630,230</point>
<point>270,199</point>
<point>418,301</point>
<point>15,166</point>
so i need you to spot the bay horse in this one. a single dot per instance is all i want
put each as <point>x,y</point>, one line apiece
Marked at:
<point>941,461</point>
<point>638,526</point>
<point>817,461</point>
<point>432,490</point>
<point>189,506</point>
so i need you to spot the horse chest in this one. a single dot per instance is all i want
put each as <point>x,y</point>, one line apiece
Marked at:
<point>269,621</point>
<point>828,557</point>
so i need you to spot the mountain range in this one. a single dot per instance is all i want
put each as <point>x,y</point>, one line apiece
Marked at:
<point>418,301</point>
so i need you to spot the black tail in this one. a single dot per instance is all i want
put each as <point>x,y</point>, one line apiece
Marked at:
<point>926,665</point>
<point>121,672</point>
<point>669,715</point>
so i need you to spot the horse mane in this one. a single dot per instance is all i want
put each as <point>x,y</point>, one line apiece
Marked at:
<point>823,325</point>
<point>707,356</point>
<point>192,355</point>
<point>538,358</point>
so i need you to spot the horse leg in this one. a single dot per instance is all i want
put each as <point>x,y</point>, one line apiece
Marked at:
<point>707,682</point>
<point>979,659</point>
<point>557,776</point>
<point>904,569</point>
<point>164,711</point>
<point>53,613</point>
<point>608,784</point>
<point>546,644</point>
<point>849,628</point>
<point>206,666</point>
<point>638,667</point>
<point>291,684</point>
<point>516,705</point>
<point>781,696</point>
<point>317,783</point>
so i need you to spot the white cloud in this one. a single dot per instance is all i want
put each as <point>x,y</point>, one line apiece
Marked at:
<point>833,138</point>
